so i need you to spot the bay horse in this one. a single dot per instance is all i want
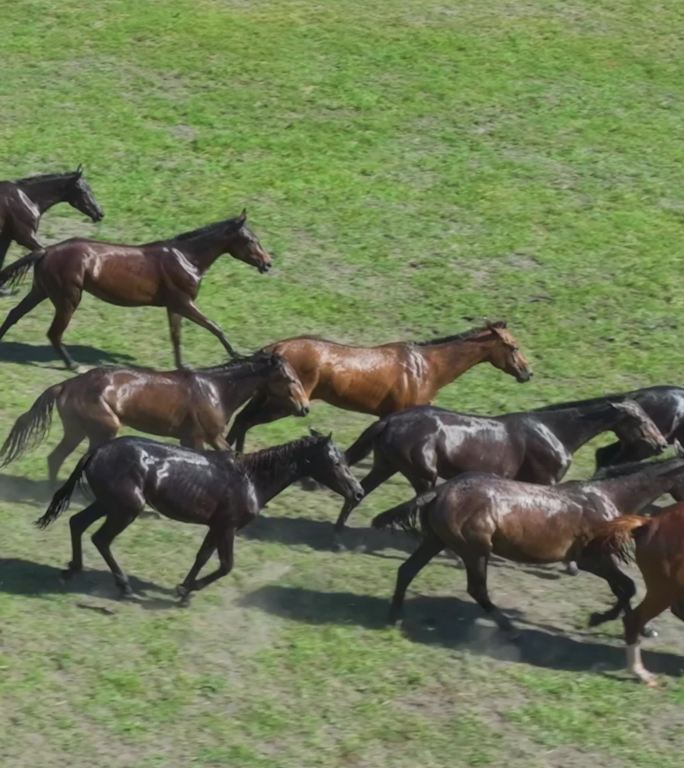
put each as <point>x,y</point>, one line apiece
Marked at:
<point>427,443</point>
<point>216,489</point>
<point>24,201</point>
<point>477,515</point>
<point>193,406</point>
<point>657,545</point>
<point>383,379</point>
<point>165,273</point>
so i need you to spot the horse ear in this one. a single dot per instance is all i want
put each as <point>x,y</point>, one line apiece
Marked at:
<point>314,433</point>
<point>243,216</point>
<point>79,170</point>
<point>329,437</point>
<point>678,448</point>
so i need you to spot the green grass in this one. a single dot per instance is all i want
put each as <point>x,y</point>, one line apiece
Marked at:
<point>414,166</point>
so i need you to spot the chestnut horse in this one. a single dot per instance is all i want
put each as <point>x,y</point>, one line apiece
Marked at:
<point>166,273</point>
<point>218,490</point>
<point>383,379</point>
<point>477,515</point>
<point>428,443</point>
<point>24,201</point>
<point>657,545</point>
<point>193,406</point>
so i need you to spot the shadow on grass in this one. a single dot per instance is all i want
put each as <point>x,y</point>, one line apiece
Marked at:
<point>456,624</point>
<point>39,354</point>
<point>318,535</point>
<point>30,579</point>
<point>25,490</point>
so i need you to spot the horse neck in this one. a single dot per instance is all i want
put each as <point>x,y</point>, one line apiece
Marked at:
<point>273,474</point>
<point>44,193</point>
<point>576,426</point>
<point>634,491</point>
<point>448,360</point>
<point>234,387</point>
<point>203,250</point>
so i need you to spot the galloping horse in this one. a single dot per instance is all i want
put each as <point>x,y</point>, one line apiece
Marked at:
<point>477,515</point>
<point>213,489</point>
<point>193,406</point>
<point>24,201</point>
<point>658,548</point>
<point>383,379</point>
<point>426,443</point>
<point>165,273</point>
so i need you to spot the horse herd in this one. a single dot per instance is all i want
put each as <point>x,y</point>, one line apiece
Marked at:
<point>485,485</point>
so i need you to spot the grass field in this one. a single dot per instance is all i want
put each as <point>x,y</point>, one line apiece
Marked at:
<point>415,166</point>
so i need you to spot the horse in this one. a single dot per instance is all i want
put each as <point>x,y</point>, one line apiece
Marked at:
<point>383,379</point>
<point>665,406</point>
<point>216,489</point>
<point>426,443</point>
<point>477,515</point>
<point>24,201</point>
<point>193,406</point>
<point>657,545</point>
<point>165,273</point>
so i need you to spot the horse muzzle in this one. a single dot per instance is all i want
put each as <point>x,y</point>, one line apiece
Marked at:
<point>524,376</point>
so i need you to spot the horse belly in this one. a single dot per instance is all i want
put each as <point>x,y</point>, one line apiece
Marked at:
<point>124,281</point>
<point>533,538</point>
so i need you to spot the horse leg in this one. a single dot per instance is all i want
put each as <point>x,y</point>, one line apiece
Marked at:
<point>116,522</point>
<point>69,442</point>
<point>259,410</point>
<point>380,472</point>
<point>606,567</point>
<point>78,524</point>
<point>31,300</point>
<point>635,622</point>
<point>476,570</point>
<point>408,570</point>
<point>192,313</point>
<point>225,540</point>
<point>175,329</point>
<point>203,554</point>
<point>64,311</point>
<point>5,240</point>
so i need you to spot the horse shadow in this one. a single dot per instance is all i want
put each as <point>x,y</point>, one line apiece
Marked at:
<point>40,354</point>
<point>31,579</point>
<point>458,625</point>
<point>318,535</point>
<point>25,490</point>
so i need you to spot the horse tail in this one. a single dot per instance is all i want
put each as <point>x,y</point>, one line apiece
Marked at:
<point>13,274</point>
<point>617,536</point>
<point>364,443</point>
<point>408,516</point>
<point>62,498</point>
<point>31,427</point>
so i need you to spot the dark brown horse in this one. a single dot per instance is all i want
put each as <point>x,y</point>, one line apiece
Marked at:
<point>428,443</point>
<point>193,406</point>
<point>657,545</point>
<point>478,515</point>
<point>166,273</point>
<point>381,380</point>
<point>24,201</point>
<point>218,490</point>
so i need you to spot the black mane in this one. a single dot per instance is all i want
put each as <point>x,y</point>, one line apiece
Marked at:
<point>206,229</point>
<point>628,468</point>
<point>612,398</point>
<point>269,456</point>
<point>463,336</point>
<point>46,177</point>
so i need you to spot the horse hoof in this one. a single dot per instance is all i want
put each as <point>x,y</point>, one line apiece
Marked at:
<point>337,546</point>
<point>649,631</point>
<point>67,573</point>
<point>571,569</point>
<point>595,619</point>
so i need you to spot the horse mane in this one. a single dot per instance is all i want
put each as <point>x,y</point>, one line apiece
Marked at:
<point>42,178</point>
<point>267,457</point>
<point>629,467</point>
<point>206,229</point>
<point>612,398</point>
<point>246,363</point>
<point>463,336</point>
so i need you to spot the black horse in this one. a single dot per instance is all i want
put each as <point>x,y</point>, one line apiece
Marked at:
<point>217,489</point>
<point>428,443</point>
<point>24,201</point>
